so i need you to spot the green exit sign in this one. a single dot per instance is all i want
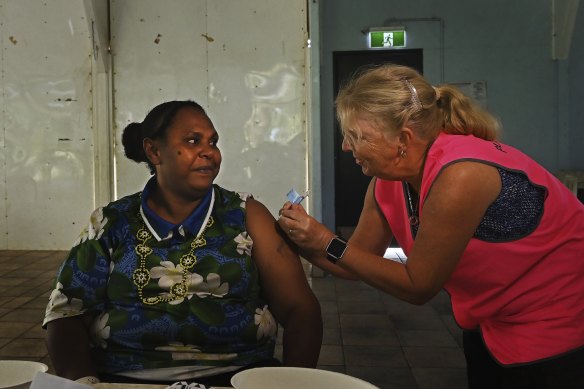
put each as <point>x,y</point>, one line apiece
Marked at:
<point>393,38</point>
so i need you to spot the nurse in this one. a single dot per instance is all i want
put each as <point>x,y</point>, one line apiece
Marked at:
<point>477,217</point>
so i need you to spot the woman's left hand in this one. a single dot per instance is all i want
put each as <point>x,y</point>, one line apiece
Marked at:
<point>307,233</point>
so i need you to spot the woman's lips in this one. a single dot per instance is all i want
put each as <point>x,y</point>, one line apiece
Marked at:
<point>205,169</point>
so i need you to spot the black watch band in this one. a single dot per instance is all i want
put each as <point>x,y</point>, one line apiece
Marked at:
<point>336,249</point>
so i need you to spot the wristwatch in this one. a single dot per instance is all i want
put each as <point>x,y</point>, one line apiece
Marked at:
<point>335,249</point>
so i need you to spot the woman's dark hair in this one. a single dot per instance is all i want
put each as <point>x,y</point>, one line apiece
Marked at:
<point>154,126</point>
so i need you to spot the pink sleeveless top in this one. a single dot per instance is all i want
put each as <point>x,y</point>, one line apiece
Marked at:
<point>525,295</point>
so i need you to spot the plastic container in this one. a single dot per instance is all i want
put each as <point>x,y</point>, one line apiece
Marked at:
<point>296,378</point>
<point>19,374</point>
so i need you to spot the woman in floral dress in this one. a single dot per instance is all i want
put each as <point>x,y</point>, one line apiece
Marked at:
<point>179,281</point>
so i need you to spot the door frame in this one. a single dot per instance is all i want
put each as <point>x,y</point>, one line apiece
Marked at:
<point>346,173</point>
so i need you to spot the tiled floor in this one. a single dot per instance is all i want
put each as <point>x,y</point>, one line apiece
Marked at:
<point>367,334</point>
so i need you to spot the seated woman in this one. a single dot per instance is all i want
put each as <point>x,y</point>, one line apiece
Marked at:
<point>179,281</point>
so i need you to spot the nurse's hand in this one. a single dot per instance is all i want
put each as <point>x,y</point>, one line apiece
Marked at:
<point>307,233</point>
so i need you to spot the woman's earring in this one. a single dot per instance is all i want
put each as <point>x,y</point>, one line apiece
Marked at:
<point>402,153</point>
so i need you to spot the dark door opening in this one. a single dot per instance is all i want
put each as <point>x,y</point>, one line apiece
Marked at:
<point>350,183</point>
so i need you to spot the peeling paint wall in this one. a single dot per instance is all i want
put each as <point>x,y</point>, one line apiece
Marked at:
<point>244,61</point>
<point>46,157</point>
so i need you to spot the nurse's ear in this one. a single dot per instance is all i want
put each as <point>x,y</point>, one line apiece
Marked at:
<point>405,136</point>
<point>404,139</point>
<point>152,150</point>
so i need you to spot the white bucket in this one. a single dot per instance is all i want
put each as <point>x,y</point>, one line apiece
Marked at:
<point>296,378</point>
<point>19,374</point>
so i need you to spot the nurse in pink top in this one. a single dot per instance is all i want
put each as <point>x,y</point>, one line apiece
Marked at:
<point>476,217</point>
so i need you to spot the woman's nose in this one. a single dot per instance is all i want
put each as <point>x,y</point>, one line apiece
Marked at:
<point>207,152</point>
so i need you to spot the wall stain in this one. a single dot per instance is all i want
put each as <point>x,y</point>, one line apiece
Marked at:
<point>157,40</point>
<point>13,40</point>
<point>208,38</point>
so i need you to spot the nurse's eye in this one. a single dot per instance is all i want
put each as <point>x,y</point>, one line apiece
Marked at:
<point>213,142</point>
<point>350,139</point>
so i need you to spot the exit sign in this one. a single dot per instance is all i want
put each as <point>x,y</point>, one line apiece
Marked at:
<point>384,39</point>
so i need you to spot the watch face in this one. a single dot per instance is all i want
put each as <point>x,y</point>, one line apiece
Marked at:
<point>336,248</point>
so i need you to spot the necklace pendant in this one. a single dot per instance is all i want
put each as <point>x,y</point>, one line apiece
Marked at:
<point>414,221</point>
<point>141,277</point>
<point>143,235</point>
<point>199,242</point>
<point>142,250</point>
<point>179,290</point>
<point>187,261</point>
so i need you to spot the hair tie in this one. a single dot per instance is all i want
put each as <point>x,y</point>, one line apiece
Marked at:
<point>437,92</point>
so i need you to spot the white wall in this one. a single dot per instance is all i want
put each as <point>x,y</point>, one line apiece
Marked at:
<point>65,101</point>
<point>244,61</point>
<point>46,141</point>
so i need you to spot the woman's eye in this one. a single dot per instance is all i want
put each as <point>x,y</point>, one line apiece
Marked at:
<point>197,140</point>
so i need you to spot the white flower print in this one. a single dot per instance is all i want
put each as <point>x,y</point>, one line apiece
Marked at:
<point>82,237</point>
<point>244,243</point>
<point>244,196</point>
<point>100,330</point>
<point>95,228</point>
<point>213,286</point>
<point>265,321</point>
<point>60,306</point>
<point>170,275</point>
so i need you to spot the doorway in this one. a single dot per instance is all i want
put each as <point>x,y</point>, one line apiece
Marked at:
<point>350,183</point>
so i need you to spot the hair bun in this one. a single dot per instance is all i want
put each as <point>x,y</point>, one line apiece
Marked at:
<point>132,141</point>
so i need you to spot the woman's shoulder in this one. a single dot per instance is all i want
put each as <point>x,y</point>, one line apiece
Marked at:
<point>124,204</point>
<point>227,196</point>
<point>118,209</point>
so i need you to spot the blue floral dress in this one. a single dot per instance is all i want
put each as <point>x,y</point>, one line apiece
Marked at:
<point>182,306</point>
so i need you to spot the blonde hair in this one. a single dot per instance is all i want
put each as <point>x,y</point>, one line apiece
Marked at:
<point>393,96</point>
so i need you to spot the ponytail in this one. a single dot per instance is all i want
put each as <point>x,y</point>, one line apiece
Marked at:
<point>463,116</point>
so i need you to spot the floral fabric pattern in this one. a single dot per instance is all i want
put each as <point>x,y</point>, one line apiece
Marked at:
<point>61,306</point>
<point>266,324</point>
<point>221,321</point>
<point>94,229</point>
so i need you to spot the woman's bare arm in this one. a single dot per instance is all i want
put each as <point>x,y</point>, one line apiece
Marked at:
<point>68,344</point>
<point>285,285</point>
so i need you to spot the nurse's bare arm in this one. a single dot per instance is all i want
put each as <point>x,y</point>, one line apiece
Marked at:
<point>453,210</point>
<point>371,235</point>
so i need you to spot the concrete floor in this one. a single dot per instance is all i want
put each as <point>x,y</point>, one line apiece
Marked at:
<point>367,334</point>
